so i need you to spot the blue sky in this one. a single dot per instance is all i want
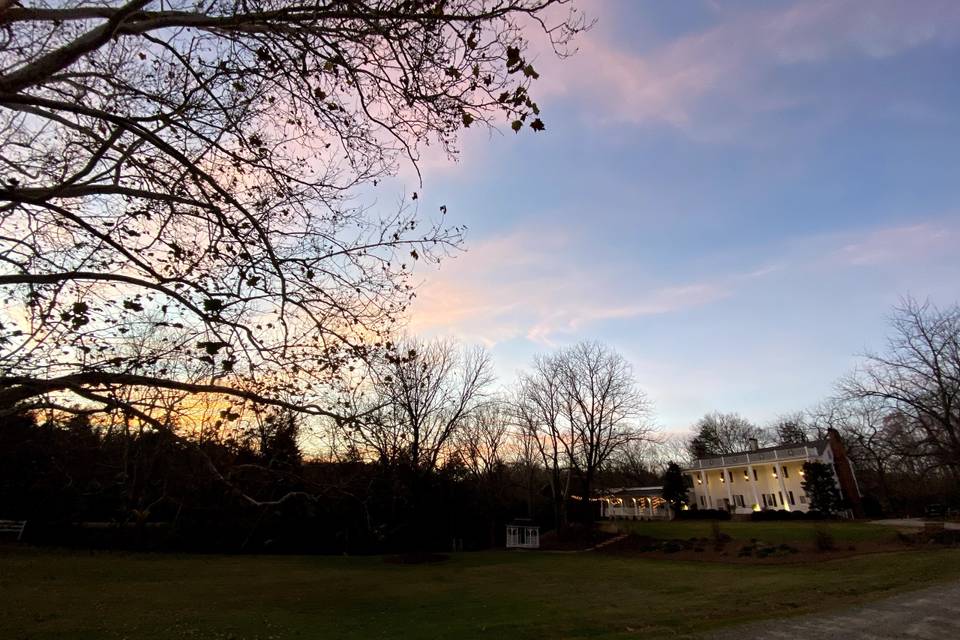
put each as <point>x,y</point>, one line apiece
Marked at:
<point>732,194</point>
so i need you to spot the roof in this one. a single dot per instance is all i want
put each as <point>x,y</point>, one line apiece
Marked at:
<point>766,454</point>
<point>632,492</point>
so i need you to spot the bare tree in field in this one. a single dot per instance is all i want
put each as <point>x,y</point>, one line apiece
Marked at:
<point>191,169</point>
<point>604,406</point>
<point>539,413</point>
<point>917,378</point>
<point>428,393</point>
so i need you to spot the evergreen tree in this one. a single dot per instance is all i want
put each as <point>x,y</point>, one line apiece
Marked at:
<point>820,486</point>
<point>674,486</point>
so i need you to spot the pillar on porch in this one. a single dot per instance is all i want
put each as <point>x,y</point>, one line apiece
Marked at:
<point>784,496</point>
<point>753,483</point>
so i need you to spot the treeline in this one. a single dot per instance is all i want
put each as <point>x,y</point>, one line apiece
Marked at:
<point>435,459</point>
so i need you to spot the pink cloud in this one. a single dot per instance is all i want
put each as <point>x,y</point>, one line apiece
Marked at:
<point>898,244</point>
<point>526,284</point>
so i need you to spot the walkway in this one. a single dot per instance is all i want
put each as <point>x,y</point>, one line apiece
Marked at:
<point>912,522</point>
<point>930,614</point>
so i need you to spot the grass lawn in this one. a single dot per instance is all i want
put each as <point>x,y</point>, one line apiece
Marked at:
<point>59,594</point>
<point>771,532</point>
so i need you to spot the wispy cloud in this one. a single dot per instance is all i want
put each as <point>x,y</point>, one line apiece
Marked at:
<point>711,83</point>
<point>897,245</point>
<point>532,285</point>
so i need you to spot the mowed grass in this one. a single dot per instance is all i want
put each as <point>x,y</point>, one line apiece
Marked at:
<point>769,532</point>
<point>45,594</point>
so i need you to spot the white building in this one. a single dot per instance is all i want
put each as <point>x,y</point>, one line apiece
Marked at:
<point>769,478</point>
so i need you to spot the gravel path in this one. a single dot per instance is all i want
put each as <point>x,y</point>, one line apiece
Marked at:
<point>930,614</point>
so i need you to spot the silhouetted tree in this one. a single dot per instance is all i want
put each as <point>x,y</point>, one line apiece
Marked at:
<point>917,379</point>
<point>722,433</point>
<point>821,487</point>
<point>191,170</point>
<point>674,485</point>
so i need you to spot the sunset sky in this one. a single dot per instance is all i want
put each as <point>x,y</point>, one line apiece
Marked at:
<point>731,194</point>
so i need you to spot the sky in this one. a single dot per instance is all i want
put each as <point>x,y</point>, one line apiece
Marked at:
<point>733,195</point>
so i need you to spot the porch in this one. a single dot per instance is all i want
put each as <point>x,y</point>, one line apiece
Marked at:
<point>634,503</point>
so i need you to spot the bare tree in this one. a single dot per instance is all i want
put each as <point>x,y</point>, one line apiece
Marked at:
<point>791,428</point>
<point>604,406</point>
<point>483,440</point>
<point>427,394</point>
<point>192,169</point>
<point>917,379</point>
<point>721,433</point>
<point>539,409</point>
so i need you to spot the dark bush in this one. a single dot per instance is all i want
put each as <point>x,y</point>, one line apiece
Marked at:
<point>703,514</point>
<point>823,539</point>
<point>777,515</point>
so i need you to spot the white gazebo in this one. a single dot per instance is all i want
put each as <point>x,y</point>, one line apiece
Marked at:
<point>523,534</point>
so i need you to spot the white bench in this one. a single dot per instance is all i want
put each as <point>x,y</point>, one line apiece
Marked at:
<point>13,526</point>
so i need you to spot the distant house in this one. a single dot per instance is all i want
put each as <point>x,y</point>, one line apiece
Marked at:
<point>635,503</point>
<point>769,478</point>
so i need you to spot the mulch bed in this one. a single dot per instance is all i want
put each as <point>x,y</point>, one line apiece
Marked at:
<point>742,552</point>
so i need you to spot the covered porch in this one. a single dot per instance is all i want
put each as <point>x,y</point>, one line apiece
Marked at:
<point>634,503</point>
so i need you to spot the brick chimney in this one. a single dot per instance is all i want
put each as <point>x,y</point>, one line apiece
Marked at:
<point>754,445</point>
<point>844,470</point>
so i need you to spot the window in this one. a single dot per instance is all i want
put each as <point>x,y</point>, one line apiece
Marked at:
<point>781,498</point>
<point>754,475</point>
<point>738,499</point>
<point>785,474</point>
<point>730,474</point>
<point>803,498</point>
<point>792,501</point>
<point>764,499</point>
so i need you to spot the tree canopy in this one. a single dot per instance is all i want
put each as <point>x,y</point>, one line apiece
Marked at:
<point>180,188</point>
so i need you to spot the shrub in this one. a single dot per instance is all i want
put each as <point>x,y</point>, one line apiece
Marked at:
<point>823,539</point>
<point>704,514</point>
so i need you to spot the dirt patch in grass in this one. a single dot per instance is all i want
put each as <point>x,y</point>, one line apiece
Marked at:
<point>574,538</point>
<point>416,558</point>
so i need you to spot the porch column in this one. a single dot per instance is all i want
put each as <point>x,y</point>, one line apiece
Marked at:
<point>650,507</point>
<point>783,488</point>
<point>636,509</point>
<point>706,489</point>
<point>753,483</point>
<point>726,481</point>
